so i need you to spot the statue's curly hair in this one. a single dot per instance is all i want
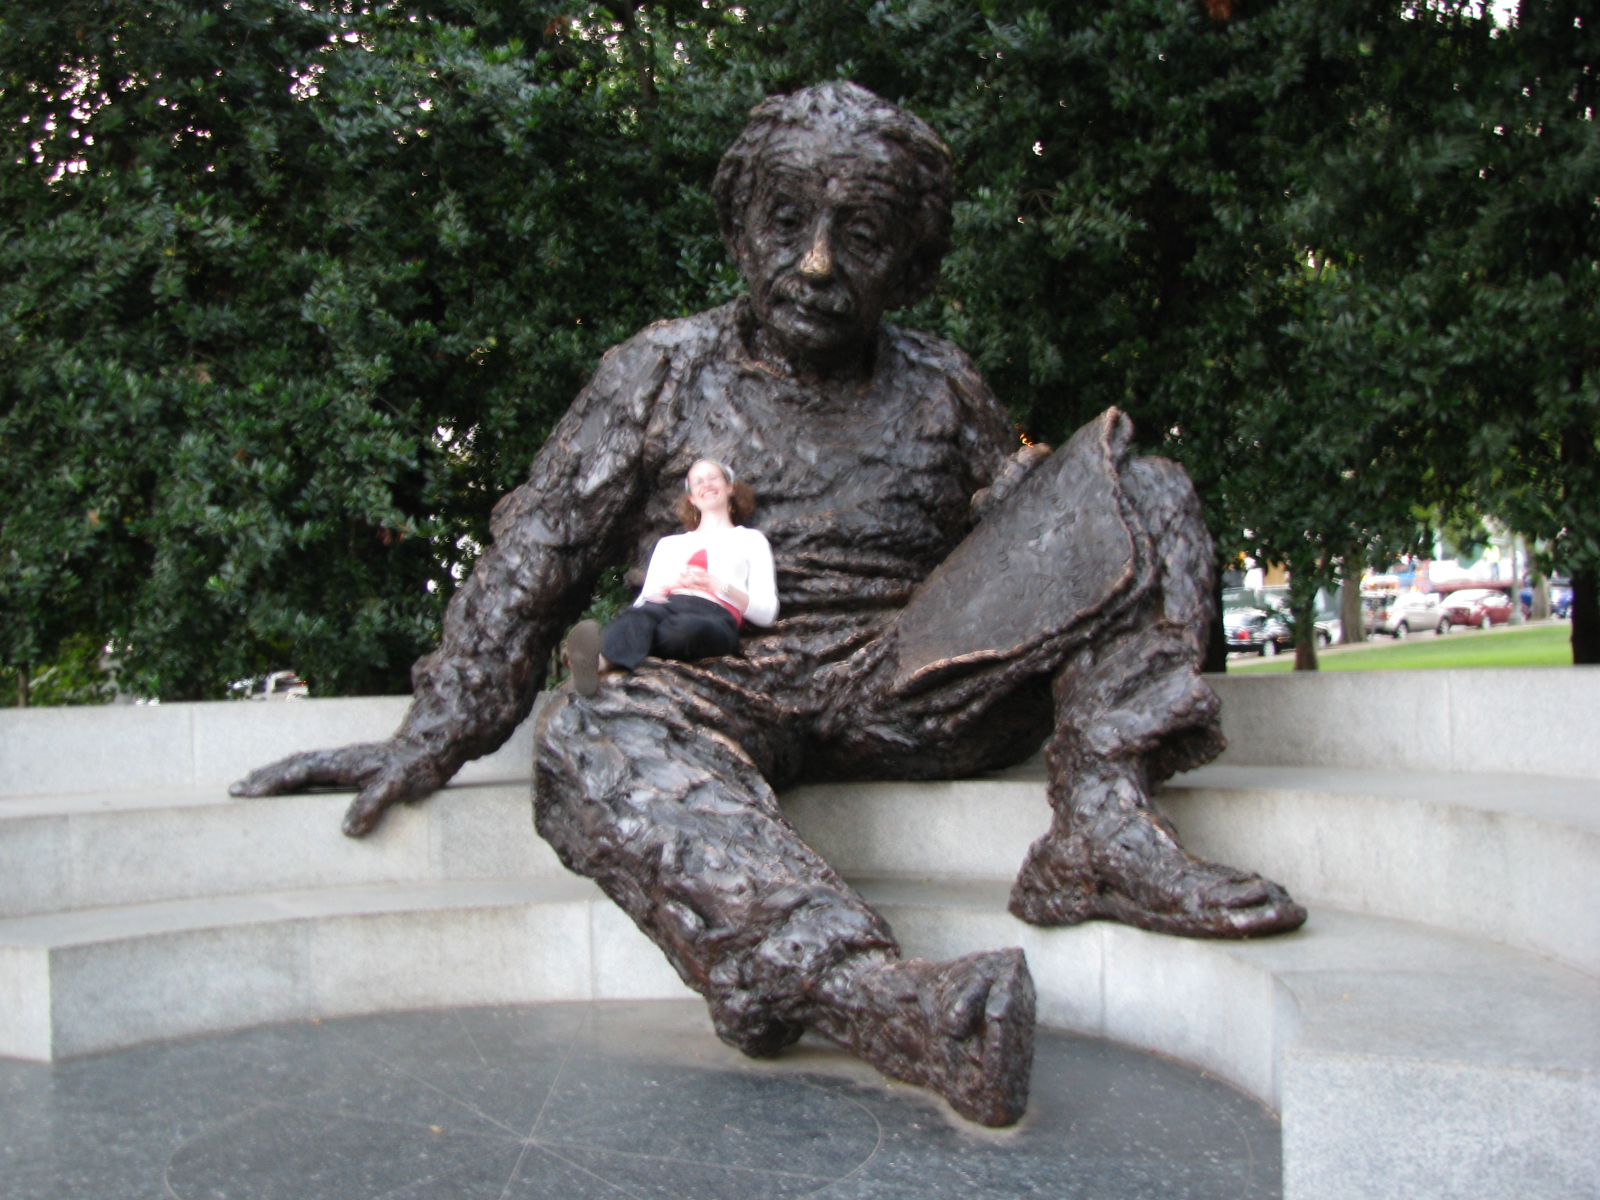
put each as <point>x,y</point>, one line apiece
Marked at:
<point>848,109</point>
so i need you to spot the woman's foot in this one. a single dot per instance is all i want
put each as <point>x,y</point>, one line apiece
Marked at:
<point>581,651</point>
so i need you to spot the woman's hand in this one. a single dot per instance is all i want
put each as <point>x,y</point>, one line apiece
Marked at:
<point>698,579</point>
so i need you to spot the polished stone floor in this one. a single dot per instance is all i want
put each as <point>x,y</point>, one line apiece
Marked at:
<point>603,1101</point>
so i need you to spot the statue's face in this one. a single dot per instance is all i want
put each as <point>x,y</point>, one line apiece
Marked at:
<point>826,241</point>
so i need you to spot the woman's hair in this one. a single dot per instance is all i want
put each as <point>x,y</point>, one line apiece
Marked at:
<point>741,504</point>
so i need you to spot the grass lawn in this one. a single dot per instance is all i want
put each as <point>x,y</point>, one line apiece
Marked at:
<point>1516,646</point>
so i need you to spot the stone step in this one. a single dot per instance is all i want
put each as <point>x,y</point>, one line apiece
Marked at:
<point>208,744</point>
<point>1512,858</point>
<point>59,853</point>
<point>1504,720</point>
<point>1405,1061</point>
<point>1509,720</point>
<point>101,979</point>
<point>1515,859</point>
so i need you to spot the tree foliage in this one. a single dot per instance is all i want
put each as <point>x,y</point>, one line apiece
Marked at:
<point>290,292</point>
<point>1463,205</point>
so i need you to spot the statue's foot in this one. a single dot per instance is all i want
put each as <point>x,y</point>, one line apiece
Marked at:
<point>963,1028</point>
<point>1126,865</point>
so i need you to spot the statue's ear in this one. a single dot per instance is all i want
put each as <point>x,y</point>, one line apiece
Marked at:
<point>918,280</point>
<point>733,241</point>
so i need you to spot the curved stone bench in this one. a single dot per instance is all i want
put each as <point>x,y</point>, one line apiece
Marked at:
<point>1434,1030</point>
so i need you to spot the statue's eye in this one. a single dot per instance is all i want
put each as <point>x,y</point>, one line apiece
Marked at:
<point>863,236</point>
<point>866,230</point>
<point>787,218</point>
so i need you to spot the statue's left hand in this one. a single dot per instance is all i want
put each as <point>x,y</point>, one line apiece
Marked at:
<point>1017,468</point>
<point>386,773</point>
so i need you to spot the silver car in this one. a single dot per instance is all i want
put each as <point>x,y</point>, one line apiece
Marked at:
<point>1407,613</point>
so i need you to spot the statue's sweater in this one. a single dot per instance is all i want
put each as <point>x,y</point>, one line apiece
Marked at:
<point>863,487</point>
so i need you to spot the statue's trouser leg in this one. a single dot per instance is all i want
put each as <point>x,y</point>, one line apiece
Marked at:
<point>1129,706</point>
<point>1130,711</point>
<point>646,789</point>
<point>643,790</point>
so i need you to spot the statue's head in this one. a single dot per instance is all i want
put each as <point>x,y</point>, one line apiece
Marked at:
<point>835,205</point>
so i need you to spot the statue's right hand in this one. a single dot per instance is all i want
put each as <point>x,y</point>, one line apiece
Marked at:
<point>386,773</point>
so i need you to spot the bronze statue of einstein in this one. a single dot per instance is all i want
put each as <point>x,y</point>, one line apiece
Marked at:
<point>948,601</point>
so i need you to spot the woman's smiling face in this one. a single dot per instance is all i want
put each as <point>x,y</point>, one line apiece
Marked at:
<point>709,488</point>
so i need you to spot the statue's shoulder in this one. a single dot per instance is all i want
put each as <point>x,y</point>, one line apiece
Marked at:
<point>927,352</point>
<point>638,368</point>
<point>943,363</point>
<point>690,337</point>
<point>941,369</point>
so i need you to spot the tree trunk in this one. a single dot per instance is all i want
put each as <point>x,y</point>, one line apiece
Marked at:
<point>24,681</point>
<point>1352,625</point>
<point>1586,616</point>
<point>1540,608</point>
<point>1305,628</point>
<point>1216,658</point>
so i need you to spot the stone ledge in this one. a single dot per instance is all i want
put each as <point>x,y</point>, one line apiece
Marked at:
<point>82,982</point>
<point>59,853</point>
<point>1392,1050</point>
<point>1508,720</point>
<point>1510,858</point>
<point>1537,720</point>
<point>51,751</point>
<point>1405,1061</point>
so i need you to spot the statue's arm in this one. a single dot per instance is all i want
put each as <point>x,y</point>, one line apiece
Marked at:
<point>998,469</point>
<point>552,537</point>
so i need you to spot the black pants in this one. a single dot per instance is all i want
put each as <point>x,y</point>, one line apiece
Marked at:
<point>684,628</point>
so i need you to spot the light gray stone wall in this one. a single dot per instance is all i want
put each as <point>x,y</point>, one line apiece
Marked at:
<point>1538,720</point>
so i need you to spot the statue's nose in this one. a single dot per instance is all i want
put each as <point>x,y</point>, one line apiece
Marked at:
<point>818,261</point>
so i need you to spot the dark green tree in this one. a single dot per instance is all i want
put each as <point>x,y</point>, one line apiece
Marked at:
<point>1462,208</point>
<point>289,295</point>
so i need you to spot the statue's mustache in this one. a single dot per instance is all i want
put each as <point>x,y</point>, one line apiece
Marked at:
<point>833,302</point>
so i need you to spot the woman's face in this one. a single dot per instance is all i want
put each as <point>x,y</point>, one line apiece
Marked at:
<point>709,488</point>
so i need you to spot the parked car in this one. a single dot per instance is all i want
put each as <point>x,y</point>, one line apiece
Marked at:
<point>1480,607</point>
<point>1329,629</point>
<point>1272,603</point>
<point>1251,630</point>
<point>1560,599</point>
<point>279,685</point>
<point>1404,614</point>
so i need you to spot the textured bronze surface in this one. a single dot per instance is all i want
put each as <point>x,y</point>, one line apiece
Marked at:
<point>948,603</point>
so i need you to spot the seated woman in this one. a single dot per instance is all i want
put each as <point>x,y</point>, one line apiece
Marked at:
<point>701,586</point>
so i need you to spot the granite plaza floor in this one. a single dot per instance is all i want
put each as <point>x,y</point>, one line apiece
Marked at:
<point>609,1101</point>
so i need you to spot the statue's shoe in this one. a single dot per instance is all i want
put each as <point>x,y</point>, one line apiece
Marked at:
<point>1144,878</point>
<point>963,1028</point>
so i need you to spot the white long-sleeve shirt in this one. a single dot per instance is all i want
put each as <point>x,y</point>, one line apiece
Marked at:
<point>739,556</point>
